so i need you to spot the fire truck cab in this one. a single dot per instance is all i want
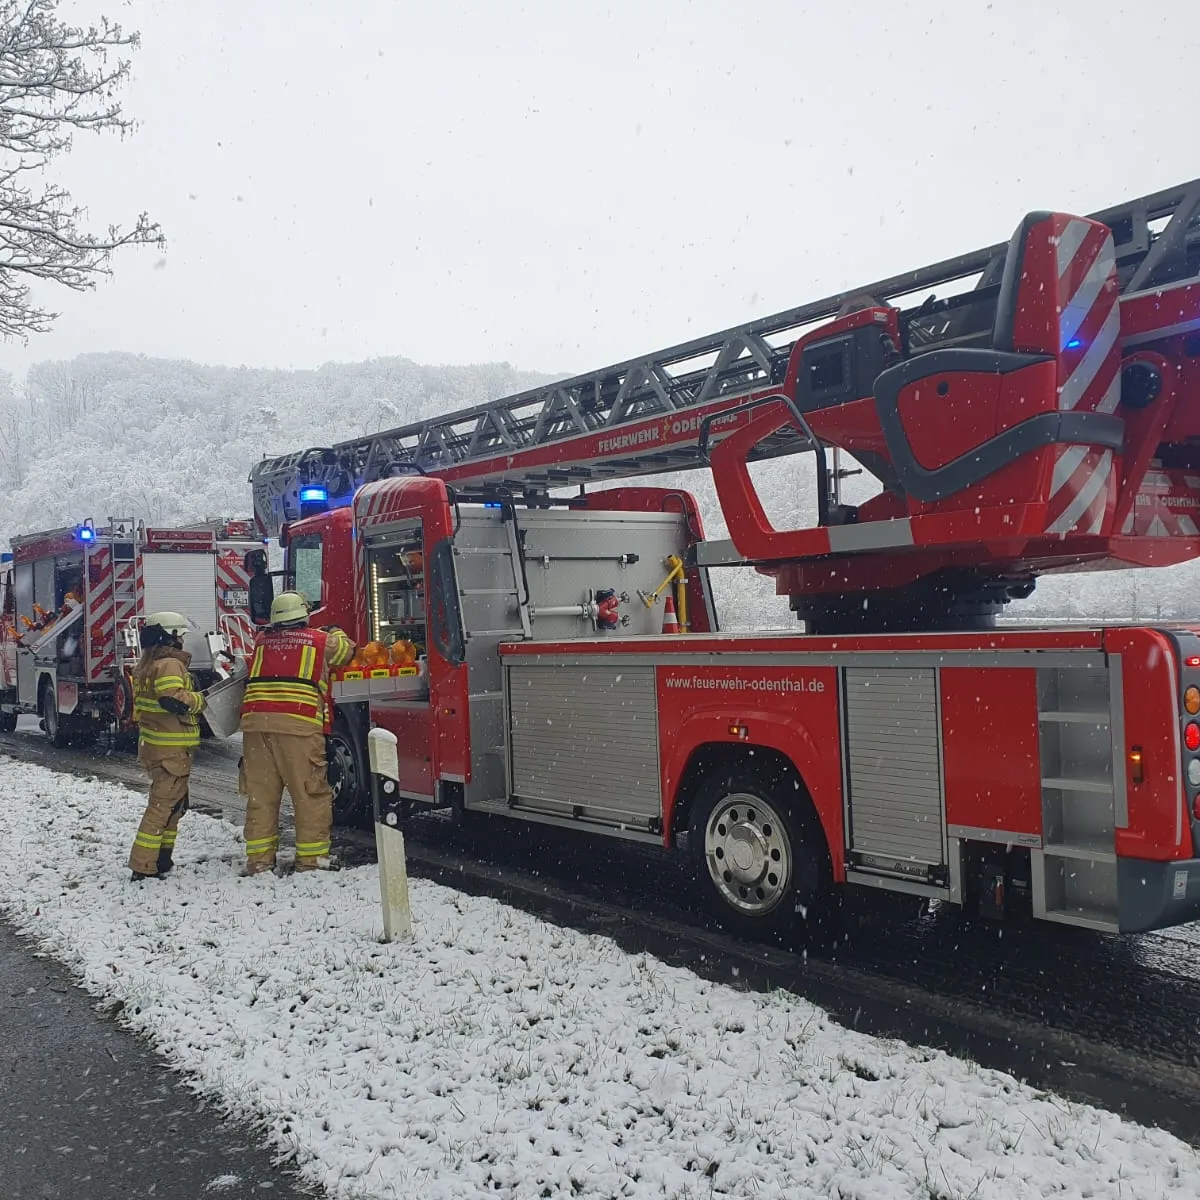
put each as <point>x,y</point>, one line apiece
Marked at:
<point>456,579</point>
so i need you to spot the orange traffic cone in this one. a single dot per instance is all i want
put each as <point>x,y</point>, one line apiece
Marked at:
<point>670,624</point>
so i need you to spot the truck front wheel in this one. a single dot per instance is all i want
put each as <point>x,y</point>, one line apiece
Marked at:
<point>760,866</point>
<point>52,720</point>
<point>347,776</point>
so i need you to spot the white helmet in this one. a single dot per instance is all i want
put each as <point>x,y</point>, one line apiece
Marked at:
<point>172,623</point>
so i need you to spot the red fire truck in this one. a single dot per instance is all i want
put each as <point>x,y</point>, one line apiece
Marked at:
<point>71,602</point>
<point>1042,417</point>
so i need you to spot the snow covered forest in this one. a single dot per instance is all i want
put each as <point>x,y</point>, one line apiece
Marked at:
<point>172,441</point>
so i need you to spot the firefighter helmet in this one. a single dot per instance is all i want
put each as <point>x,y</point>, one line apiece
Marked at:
<point>162,628</point>
<point>289,608</point>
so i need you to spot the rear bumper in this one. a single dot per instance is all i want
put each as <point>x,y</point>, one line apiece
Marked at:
<point>1156,894</point>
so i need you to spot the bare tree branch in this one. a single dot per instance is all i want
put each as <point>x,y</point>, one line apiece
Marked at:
<point>55,80</point>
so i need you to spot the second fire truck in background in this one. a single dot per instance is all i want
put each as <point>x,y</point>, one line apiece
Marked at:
<point>70,604</point>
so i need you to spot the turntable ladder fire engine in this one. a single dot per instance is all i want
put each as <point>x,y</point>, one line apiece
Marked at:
<point>1037,419</point>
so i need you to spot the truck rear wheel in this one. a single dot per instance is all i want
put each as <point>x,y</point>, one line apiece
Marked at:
<point>762,869</point>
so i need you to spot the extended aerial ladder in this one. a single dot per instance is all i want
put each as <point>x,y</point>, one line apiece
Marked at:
<point>1040,419</point>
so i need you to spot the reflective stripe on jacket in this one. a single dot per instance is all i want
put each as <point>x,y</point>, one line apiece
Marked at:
<point>288,681</point>
<point>163,672</point>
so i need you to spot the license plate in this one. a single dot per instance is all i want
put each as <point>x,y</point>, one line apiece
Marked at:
<point>237,598</point>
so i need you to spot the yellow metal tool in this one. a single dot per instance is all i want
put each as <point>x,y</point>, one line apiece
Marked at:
<point>677,576</point>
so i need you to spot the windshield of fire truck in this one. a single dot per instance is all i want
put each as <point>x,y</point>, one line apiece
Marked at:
<point>305,557</point>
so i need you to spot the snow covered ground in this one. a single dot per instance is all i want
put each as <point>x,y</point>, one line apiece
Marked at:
<point>498,1055</point>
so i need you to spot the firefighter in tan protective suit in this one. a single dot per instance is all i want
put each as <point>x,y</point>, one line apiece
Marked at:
<point>165,704</point>
<point>283,734</point>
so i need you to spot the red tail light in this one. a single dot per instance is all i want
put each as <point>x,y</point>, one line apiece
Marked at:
<point>1191,736</point>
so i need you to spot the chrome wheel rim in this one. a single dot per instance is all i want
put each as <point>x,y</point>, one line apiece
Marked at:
<point>748,853</point>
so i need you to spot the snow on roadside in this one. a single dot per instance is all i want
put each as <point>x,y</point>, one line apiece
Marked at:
<point>500,1055</point>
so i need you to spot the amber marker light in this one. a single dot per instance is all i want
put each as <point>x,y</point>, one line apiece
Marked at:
<point>1191,700</point>
<point>1137,768</point>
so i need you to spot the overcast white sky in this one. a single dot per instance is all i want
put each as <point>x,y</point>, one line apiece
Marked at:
<point>561,184</point>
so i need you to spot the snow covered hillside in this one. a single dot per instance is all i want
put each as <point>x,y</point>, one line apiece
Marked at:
<point>169,440</point>
<point>498,1055</point>
<point>166,440</point>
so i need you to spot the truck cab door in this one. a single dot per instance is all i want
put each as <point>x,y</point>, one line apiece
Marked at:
<point>396,613</point>
<point>448,664</point>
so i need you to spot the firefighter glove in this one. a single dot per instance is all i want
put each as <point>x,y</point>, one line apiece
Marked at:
<point>178,707</point>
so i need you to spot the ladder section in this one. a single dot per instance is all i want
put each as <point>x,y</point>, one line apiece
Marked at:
<point>1075,872</point>
<point>642,416</point>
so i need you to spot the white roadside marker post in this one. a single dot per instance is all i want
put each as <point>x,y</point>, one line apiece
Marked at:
<point>389,841</point>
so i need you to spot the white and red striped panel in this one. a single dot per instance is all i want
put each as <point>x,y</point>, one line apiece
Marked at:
<point>99,647</point>
<point>1083,485</point>
<point>139,585</point>
<point>1167,505</point>
<point>232,576</point>
<point>125,607</point>
<point>106,609</point>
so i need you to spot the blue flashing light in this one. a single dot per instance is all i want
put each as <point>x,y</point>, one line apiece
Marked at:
<point>492,504</point>
<point>1074,343</point>
<point>313,495</point>
<point>86,534</point>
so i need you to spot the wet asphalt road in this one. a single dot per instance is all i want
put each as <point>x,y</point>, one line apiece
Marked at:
<point>87,1112</point>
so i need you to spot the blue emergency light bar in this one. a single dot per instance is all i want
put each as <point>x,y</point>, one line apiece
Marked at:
<point>313,495</point>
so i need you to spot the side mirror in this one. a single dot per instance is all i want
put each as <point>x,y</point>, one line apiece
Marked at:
<point>262,593</point>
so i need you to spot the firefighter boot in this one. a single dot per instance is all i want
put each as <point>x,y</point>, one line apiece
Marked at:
<point>166,855</point>
<point>323,863</point>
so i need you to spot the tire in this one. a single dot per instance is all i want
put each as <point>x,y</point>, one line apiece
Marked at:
<point>8,722</point>
<point>52,721</point>
<point>762,869</point>
<point>347,774</point>
<point>122,702</point>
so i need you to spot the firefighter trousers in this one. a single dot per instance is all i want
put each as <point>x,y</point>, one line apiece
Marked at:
<point>271,762</point>
<point>169,768</point>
